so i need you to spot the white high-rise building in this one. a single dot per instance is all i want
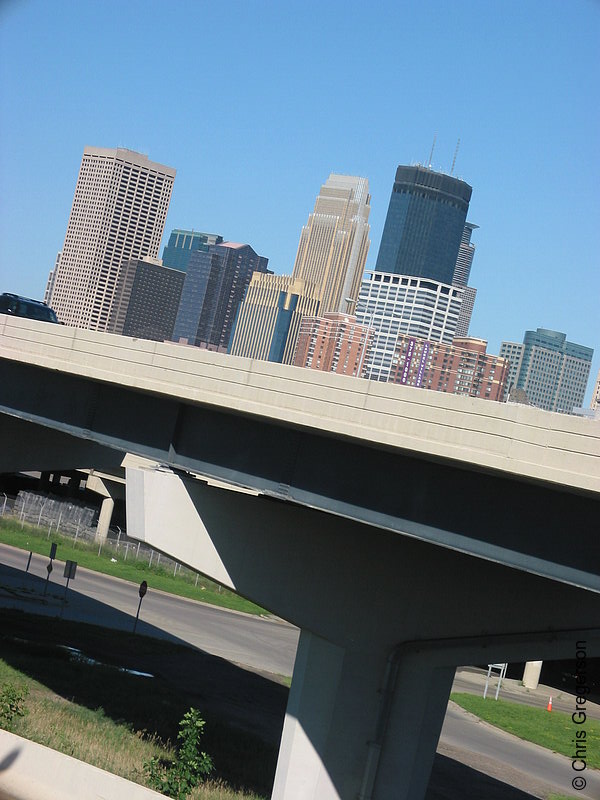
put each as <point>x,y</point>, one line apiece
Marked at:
<point>50,281</point>
<point>462,271</point>
<point>119,212</point>
<point>396,305</point>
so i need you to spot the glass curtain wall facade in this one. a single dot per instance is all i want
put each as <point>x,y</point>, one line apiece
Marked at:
<point>183,243</point>
<point>268,320</point>
<point>215,284</point>
<point>424,224</point>
<point>462,271</point>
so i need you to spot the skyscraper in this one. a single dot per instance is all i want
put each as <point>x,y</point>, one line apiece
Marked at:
<point>215,283</point>
<point>327,272</point>
<point>411,290</point>
<point>118,213</point>
<point>182,244</point>
<point>424,224</point>
<point>395,305</point>
<point>462,271</point>
<point>334,243</point>
<point>552,371</point>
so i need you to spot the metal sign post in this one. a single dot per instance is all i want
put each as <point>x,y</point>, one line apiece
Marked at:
<point>501,670</point>
<point>70,570</point>
<point>142,591</point>
<point>49,567</point>
<point>48,570</point>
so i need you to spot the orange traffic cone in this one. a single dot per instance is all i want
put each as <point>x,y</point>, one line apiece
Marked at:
<point>549,707</point>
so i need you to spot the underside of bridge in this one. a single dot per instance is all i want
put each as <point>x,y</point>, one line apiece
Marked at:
<point>396,565</point>
<point>385,619</point>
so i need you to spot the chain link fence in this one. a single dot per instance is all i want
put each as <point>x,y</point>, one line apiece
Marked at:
<point>75,519</point>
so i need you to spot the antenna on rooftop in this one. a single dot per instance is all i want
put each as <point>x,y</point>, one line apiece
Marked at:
<point>455,154</point>
<point>432,149</point>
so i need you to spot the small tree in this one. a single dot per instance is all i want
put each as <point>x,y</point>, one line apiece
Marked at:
<point>191,765</point>
<point>12,704</point>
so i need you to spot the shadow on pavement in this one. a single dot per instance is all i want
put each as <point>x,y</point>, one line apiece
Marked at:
<point>228,696</point>
<point>451,780</point>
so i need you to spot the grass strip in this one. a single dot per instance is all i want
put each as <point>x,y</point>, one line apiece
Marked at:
<point>554,730</point>
<point>116,720</point>
<point>31,538</point>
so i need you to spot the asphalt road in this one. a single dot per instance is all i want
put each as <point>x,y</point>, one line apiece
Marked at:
<point>268,645</point>
<point>519,763</point>
<point>255,642</point>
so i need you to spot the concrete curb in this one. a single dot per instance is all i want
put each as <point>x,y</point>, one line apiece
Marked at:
<point>30,771</point>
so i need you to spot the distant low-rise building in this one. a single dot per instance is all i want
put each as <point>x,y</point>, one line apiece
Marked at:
<point>463,367</point>
<point>333,343</point>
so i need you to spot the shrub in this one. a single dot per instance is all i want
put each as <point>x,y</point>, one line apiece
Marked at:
<point>177,778</point>
<point>12,704</point>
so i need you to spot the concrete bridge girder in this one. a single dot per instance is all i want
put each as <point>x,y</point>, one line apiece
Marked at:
<point>385,620</point>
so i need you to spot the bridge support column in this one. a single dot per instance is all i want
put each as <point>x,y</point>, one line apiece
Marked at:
<point>531,674</point>
<point>417,703</point>
<point>325,749</point>
<point>300,770</point>
<point>104,518</point>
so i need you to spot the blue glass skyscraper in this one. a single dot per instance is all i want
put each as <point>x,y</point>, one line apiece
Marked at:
<point>424,224</point>
<point>182,243</point>
<point>215,285</point>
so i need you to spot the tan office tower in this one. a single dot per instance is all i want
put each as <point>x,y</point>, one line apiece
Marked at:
<point>327,274</point>
<point>269,317</point>
<point>118,213</point>
<point>335,241</point>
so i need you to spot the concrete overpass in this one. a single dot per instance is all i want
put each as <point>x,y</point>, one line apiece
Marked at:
<point>405,532</point>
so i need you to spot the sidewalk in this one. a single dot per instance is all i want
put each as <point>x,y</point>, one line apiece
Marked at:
<point>472,680</point>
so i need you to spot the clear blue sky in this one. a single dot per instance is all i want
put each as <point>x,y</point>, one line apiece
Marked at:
<point>255,103</point>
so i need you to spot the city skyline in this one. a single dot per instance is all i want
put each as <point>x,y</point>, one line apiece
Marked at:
<point>519,97</point>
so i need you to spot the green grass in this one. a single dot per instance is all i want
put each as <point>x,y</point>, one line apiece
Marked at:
<point>554,730</point>
<point>31,538</point>
<point>115,720</point>
<point>561,797</point>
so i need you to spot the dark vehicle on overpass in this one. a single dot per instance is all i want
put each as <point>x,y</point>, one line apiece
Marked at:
<point>18,306</point>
